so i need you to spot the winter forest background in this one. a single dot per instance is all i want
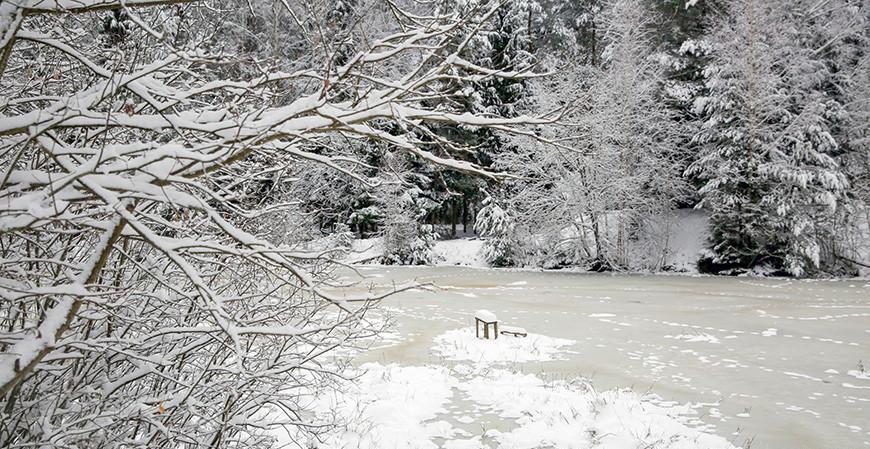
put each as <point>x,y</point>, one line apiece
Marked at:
<point>180,180</point>
<point>755,112</point>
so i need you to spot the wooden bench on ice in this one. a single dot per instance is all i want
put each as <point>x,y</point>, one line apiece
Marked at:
<point>486,319</point>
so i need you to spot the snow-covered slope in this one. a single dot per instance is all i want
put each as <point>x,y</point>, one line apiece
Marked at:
<point>684,236</point>
<point>686,239</point>
<point>464,252</point>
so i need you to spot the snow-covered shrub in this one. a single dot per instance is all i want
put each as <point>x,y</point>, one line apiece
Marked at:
<point>340,241</point>
<point>406,240</point>
<point>409,243</point>
<point>495,225</point>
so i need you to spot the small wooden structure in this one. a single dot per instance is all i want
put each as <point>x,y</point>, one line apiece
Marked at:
<point>514,331</point>
<point>486,319</point>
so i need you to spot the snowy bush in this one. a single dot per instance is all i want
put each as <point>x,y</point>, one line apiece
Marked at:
<point>409,243</point>
<point>406,240</point>
<point>495,225</point>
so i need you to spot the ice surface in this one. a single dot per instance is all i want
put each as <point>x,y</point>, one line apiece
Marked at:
<point>765,328</point>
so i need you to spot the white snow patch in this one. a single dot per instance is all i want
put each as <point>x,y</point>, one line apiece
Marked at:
<point>463,252</point>
<point>485,315</point>
<point>802,376</point>
<point>695,338</point>
<point>473,443</point>
<point>569,415</point>
<point>863,375</point>
<point>388,406</point>
<point>461,344</point>
<point>687,235</point>
<point>770,332</point>
<point>365,250</point>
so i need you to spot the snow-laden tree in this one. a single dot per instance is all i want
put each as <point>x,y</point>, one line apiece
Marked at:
<point>842,30</point>
<point>406,240</point>
<point>505,43</point>
<point>403,206</point>
<point>771,181</point>
<point>140,305</point>
<point>495,225</point>
<point>857,128</point>
<point>588,197</point>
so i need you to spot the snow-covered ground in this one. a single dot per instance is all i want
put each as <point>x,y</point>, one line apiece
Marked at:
<point>462,344</point>
<point>460,252</point>
<point>684,237</point>
<point>772,361</point>
<point>490,402</point>
<point>464,252</point>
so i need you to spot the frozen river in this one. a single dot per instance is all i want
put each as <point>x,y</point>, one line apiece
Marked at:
<point>771,362</point>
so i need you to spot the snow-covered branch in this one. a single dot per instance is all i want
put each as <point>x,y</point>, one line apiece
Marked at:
<point>132,284</point>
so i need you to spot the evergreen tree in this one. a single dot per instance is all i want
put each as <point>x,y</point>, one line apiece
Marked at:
<point>679,30</point>
<point>507,43</point>
<point>769,176</point>
<point>494,224</point>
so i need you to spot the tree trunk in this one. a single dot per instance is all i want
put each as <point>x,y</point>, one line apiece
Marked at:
<point>596,234</point>
<point>465,214</point>
<point>454,216</point>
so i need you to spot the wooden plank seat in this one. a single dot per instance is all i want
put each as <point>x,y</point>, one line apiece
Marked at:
<point>514,331</point>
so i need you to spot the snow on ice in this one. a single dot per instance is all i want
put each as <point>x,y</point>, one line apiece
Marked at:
<point>461,344</point>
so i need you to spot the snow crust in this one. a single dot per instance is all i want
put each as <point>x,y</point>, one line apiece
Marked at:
<point>571,414</point>
<point>460,252</point>
<point>394,406</point>
<point>485,315</point>
<point>461,344</point>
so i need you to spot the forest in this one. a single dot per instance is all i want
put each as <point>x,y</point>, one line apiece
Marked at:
<point>754,112</point>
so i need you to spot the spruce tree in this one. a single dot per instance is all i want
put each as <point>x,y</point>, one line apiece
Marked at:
<point>766,146</point>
